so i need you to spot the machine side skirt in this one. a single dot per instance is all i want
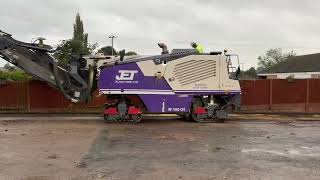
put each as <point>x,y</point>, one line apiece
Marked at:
<point>130,108</point>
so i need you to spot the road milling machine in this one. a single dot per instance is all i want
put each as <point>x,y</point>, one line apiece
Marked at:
<point>201,87</point>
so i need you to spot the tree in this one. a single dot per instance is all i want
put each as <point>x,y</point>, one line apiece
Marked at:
<point>273,57</point>
<point>250,74</point>
<point>14,76</point>
<point>77,45</point>
<point>107,50</point>
<point>63,51</point>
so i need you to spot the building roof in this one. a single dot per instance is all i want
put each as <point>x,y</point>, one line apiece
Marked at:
<point>305,63</point>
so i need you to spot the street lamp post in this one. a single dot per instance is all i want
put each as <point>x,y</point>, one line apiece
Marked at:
<point>112,36</point>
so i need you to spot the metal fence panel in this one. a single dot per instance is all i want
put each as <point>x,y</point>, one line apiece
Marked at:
<point>41,95</point>
<point>314,91</point>
<point>13,96</point>
<point>286,92</point>
<point>255,92</point>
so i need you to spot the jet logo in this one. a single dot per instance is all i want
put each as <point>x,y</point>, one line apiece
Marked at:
<point>126,75</point>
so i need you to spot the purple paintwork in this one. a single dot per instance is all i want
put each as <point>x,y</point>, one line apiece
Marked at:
<point>166,103</point>
<point>156,93</point>
<point>139,81</point>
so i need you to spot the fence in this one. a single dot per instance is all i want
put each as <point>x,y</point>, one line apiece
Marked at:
<point>37,96</point>
<point>257,96</point>
<point>281,95</point>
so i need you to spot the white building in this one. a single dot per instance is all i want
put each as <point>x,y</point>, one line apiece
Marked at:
<point>299,67</point>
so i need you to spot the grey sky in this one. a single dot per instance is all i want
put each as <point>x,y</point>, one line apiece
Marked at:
<point>246,27</point>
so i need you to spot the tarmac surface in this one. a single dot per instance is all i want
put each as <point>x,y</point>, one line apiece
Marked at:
<point>41,147</point>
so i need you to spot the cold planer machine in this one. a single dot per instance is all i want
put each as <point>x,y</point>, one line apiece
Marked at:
<point>200,87</point>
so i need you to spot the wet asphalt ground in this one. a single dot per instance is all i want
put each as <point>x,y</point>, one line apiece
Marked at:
<point>250,147</point>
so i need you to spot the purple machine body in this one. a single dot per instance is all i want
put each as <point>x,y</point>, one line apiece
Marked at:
<point>156,93</point>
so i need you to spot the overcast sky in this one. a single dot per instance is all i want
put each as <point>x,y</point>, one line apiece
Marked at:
<point>246,27</point>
